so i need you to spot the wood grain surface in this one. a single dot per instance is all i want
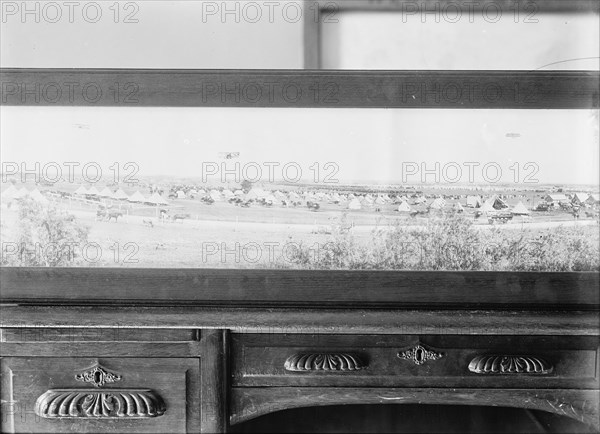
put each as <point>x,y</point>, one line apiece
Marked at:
<point>311,321</point>
<point>300,88</point>
<point>287,288</point>
<point>248,403</point>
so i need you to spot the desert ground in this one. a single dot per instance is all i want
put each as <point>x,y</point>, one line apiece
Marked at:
<point>223,235</point>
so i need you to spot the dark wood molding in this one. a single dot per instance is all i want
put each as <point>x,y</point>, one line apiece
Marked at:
<point>541,6</point>
<point>300,88</point>
<point>248,403</point>
<point>292,288</point>
<point>311,37</point>
<point>310,321</point>
<point>321,12</point>
<point>214,390</point>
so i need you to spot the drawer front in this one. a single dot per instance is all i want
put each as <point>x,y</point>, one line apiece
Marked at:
<point>125,395</point>
<point>415,361</point>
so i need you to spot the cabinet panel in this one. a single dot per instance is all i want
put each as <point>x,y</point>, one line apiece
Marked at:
<point>133,395</point>
<point>415,361</point>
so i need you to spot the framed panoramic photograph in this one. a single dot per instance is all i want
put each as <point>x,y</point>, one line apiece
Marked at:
<point>300,216</point>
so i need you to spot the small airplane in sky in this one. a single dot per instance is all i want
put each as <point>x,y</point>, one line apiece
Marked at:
<point>229,155</point>
<point>82,126</point>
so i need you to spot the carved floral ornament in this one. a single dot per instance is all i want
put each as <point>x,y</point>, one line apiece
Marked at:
<point>509,364</point>
<point>98,376</point>
<point>303,362</point>
<point>99,403</point>
<point>419,354</point>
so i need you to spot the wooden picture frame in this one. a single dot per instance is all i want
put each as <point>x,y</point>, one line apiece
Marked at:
<point>306,89</point>
<point>319,11</point>
<point>218,344</point>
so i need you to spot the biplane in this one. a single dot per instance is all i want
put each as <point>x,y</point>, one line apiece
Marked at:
<point>229,155</point>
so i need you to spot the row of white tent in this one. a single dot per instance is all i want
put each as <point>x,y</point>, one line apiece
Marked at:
<point>578,198</point>
<point>137,197</point>
<point>13,192</point>
<point>440,204</point>
<point>354,202</point>
<point>358,202</point>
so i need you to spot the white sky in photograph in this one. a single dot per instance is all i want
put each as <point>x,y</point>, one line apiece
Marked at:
<point>168,34</point>
<point>383,40</point>
<point>197,34</point>
<point>367,144</point>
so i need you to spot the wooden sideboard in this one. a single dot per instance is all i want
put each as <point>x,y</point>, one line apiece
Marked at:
<point>100,350</point>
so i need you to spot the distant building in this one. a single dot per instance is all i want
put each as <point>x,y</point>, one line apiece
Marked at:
<point>556,199</point>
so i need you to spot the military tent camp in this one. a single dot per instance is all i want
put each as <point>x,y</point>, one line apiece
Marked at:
<point>556,198</point>
<point>474,201</point>
<point>354,204</point>
<point>367,200</point>
<point>81,190</point>
<point>496,203</point>
<point>38,197</point>
<point>272,200</point>
<point>93,191</point>
<point>9,193</point>
<point>137,197</point>
<point>120,195</point>
<point>310,197</point>
<point>520,209</point>
<point>437,204</point>
<point>487,207</point>
<point>404,207</point>
<point>22,192</point>
<point>156,199</point>
<point>106,193</point>
<point>181,194</point>
<point>457,207</point>
<point>579,198</point>
<point>215,195</point>
<point>256,193</point>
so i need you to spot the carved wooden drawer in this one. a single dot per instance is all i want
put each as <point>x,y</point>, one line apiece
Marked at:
<point>415,361</point>
<point>126,395</point>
